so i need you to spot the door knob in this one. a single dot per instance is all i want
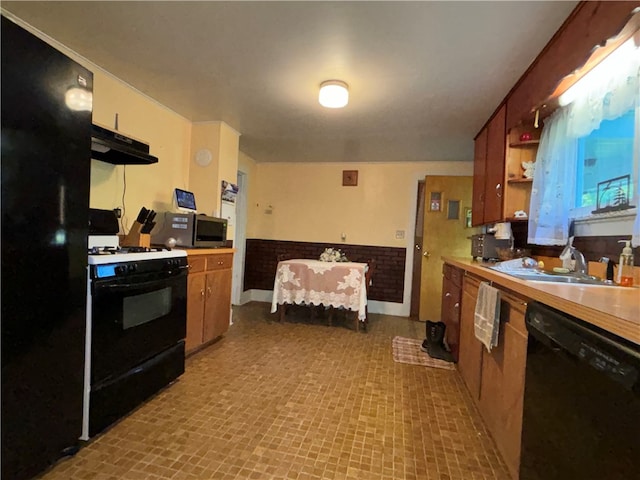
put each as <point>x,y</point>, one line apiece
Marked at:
<point>426,254</point>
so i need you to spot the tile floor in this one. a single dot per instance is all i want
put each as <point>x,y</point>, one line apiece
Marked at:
<point>298,400</point>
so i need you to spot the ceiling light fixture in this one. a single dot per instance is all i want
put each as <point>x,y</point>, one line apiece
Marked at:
<point>333,94</point>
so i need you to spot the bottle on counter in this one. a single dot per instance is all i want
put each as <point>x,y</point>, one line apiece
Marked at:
<point>625,267</point>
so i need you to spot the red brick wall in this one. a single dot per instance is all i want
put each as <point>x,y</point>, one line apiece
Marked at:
<point>388,280</point>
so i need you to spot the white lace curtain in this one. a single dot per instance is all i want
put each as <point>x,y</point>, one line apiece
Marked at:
<point>612,89</point>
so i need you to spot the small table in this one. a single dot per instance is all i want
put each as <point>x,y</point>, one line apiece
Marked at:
<point>312,282</point>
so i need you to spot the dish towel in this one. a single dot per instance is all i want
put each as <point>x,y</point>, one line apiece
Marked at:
<point>487,315</point>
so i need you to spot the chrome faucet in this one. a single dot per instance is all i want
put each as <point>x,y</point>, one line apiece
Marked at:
<point>571,252</point>
<point>581,264</point>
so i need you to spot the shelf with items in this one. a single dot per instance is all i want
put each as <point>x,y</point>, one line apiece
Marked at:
<point>521,149</point>
<point>525,143</point>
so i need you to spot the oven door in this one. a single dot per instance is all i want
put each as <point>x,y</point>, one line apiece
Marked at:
<point>134,318</point>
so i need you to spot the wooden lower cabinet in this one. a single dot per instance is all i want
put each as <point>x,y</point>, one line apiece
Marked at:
<point>451,301</point>
<point>502,385</point>
<point>470,349</point>
<point>496,379</point>
<point>208,298</point>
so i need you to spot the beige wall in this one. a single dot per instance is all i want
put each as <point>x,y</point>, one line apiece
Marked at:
<point>248,166</point>
<point>308,202</point>
<point>168,135</point>
<point>206,181</point>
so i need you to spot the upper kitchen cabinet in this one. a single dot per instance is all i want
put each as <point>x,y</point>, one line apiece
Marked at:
<point>521,149</point>
<point>589,25</point>
<point>488,171</point>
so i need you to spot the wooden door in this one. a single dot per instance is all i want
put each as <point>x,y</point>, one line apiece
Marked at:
<point>416,274</point>
<point>451,299</point>
<point>494,181</point>
<point>209,322</point>
<point>479,166</point>
<point>218,305</point>
<point>195,310</point>
<point>442,235</point>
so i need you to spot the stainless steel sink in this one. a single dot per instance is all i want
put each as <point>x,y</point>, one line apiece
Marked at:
<point>539,276</point>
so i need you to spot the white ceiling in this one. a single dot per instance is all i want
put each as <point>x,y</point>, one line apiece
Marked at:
<point>423,76</point>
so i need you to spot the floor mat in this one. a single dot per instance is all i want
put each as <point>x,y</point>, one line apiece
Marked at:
<point>407,350</point>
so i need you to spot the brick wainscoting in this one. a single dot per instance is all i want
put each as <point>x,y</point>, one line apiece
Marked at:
<point>388,281</point>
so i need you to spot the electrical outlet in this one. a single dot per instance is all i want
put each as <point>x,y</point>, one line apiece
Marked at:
<point>399,234</point>
<point>118,212</point>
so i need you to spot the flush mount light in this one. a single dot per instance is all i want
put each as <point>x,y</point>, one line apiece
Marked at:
<point>333,94</point>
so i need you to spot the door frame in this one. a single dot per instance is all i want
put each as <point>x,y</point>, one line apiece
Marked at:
<point>240,240</point>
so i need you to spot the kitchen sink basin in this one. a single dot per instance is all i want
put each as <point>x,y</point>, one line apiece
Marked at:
<point>540,276</point>
<point>578,279</point>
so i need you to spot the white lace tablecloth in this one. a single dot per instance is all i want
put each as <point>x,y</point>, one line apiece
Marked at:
<point>312,282</point>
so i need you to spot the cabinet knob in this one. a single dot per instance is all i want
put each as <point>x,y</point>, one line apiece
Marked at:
<point>418,247</point>
<point>202,293</point>
<point>447,294</point>
<point>498,192</point>
<point>190,266</point>
<point>426,254</point>
<point>457,304</point>
<point>208,291</point>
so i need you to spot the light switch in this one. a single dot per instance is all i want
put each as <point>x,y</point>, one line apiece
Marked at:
<point>399,234</point>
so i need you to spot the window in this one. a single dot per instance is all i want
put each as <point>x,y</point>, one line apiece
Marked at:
<point>605,164</point>
<point>587,165</point>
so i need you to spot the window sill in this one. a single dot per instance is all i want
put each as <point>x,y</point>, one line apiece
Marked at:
<point>603,224</point>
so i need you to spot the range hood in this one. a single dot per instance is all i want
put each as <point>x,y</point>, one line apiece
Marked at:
<point>113,147</point>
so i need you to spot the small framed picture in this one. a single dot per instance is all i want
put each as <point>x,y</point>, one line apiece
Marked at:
<point>453,209</point>
<point>434,201</point>
<point>350,178</point>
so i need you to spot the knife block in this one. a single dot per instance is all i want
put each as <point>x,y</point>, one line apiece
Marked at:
<point>136,239</point>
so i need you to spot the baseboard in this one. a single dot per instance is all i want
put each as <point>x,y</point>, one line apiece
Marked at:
<point>374,306</point>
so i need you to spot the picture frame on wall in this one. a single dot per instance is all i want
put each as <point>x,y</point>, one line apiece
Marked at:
<point>434,201</point>
<point>453,209</point>
<point>350,178</point>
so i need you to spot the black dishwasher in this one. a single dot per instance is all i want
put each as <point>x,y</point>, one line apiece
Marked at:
<point>581,416</point>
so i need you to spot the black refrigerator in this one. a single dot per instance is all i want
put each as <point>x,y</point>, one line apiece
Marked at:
<point>46,156</point>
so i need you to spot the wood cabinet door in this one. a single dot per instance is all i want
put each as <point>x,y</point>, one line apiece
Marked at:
<point>495,163</point>
<point>491,388</point>
<point>479,165</point>
<point>590,24</point>
<point>502,385</point>
<point>513,374</point>
<point>451,299</point>
<point>218,304</point>
<point>195,310</point>
<point>470,354</point>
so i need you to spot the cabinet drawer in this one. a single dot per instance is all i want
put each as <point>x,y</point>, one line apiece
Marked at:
<point>456,276</point>
<point>513,308</point>
<point>452,273</point>
<point>219,262</point>
<point>472,285</point>
<point>196,264</point>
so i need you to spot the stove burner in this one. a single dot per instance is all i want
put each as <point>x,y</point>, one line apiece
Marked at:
<point>123,250</point>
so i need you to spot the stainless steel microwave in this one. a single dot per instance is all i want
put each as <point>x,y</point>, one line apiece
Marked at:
<point>189,230</point>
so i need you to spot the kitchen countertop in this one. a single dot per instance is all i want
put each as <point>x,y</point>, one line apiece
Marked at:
<point>209,251</point>
<point>615,309</point>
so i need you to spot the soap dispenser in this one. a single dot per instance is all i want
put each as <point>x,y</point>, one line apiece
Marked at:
<point>625,267</point>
